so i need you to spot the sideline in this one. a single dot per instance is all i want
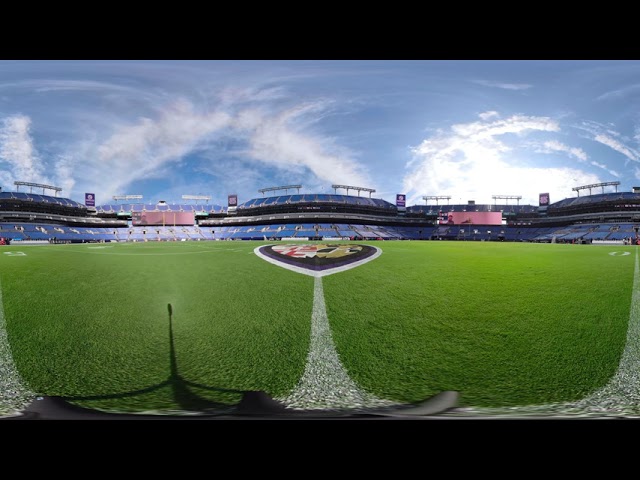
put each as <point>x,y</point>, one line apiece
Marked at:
<point>14,396</point>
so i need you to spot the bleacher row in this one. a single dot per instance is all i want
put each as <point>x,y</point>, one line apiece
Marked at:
<point>46,199</point>
<point>316,198</point>
<point>435,209</point>
<point>248,205</point>
<point>574,233</point>
<point>162,207</point>
<point>27,231</point>
<point>588,232</point>
<point>595,198</point>
<point>293,199</point>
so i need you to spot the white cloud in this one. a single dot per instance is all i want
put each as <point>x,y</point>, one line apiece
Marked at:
<point>139,151</point>
<point>488,115</point>
<point>274,140</point>
<point>604,167</point>
<point>503,85</point>
<point>619,93</point>
<point>516,124</point>
<point>63,170</point>
<point>617,146</point>
<point>556,146</point>
<point>17,151</point>
<point>280,140</point>
<point>471,162</point>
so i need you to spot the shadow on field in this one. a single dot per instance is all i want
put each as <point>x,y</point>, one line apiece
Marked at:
<point>252,404</point>
<point>182,395</point>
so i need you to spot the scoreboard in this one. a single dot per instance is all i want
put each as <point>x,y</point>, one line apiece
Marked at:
<point>162,218</point>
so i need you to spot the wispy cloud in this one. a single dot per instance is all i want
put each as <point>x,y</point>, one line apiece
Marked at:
<point>475,161</point>
<point>574,152</point>
<point>138,151</point>
<point>17,151</point>
<point>618,146</point>
<point>503,85</point>
<point>605,168</point>
<point>278,142</point>
<point>488,115</point>
<point>556,146</point>
<point>620,92</point>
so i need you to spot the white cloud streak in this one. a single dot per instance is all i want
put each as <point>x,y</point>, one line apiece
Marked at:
<point>618,146</point>
<point>276,141</point>
<point>503,85</point>
<point>556,146</point>
<point>620,92</point>
<point>605,168</point>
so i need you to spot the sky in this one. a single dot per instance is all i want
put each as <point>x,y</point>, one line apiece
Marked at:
<point>468,129</point>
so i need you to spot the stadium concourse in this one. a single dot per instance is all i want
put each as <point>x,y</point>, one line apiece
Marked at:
<point>600,218</point>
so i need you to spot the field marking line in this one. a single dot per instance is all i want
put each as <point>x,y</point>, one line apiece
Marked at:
<point>325,383</point>
<point>14,395</point>
<point>620,397</point>
<point>140,254</point>
<point>622,393</point>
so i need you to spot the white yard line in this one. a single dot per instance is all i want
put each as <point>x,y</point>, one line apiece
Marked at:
<point>325,383</point>
<point>14,396</point>
<point>620,397</point>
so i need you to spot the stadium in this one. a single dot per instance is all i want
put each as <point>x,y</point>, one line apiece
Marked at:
<point>165,308</point>
<point>607,217</point>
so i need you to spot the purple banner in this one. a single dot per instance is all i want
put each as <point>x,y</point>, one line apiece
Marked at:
<point>544,199</point>
<point>233,200</point>
<point>90,199</point>
<point>401,201</point>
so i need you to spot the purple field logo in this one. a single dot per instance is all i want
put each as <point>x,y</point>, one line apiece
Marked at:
<point>318,260</point>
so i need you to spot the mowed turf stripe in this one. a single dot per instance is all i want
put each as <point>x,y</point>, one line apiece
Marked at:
<point>325,383</point>
<point>619,398</point>
<point>14,395</point>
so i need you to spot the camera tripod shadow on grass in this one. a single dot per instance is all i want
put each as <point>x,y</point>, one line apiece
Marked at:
<point>187,402</point>
<point>190,405</point>
<point>182,395</point>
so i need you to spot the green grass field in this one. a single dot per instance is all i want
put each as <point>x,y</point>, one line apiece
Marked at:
<point>504,324</point>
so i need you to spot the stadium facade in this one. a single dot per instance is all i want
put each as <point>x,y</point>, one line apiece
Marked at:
<point>34,218</point>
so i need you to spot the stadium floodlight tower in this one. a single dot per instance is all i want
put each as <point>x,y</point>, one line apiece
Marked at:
<point>127,197</point>
<point>593,185</point>
<point>37,185</point>
<point>426,198</point>
<point>286,189</point>
<point>197,197</point>
<point>358,189</point>
<point>517,198</point>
